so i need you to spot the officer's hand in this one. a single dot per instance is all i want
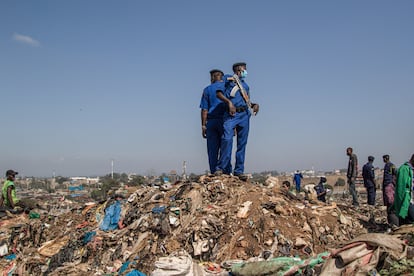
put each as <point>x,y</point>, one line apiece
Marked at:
<point>204,131</point>
<point>232,109</point>
<point>255,108</point>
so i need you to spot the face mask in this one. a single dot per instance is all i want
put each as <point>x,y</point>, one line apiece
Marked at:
<point>244,74</point>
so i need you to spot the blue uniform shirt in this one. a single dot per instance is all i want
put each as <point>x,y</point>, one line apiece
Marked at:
<point>210,102</point>
<point>297,177</point>
<point>389,173</point>
<point>237,100</point>
<point>368,174</point>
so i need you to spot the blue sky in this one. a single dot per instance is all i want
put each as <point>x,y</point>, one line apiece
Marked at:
<point>84,82</point>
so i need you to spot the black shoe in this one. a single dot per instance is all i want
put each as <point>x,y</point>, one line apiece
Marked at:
<point>242,176</point>
<point>218,173</point>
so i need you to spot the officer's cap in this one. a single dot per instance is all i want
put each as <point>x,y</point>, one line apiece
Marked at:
<point>239,64</point>
<point>216,71</point>
<point>371,158</point>
<point>386,156</point>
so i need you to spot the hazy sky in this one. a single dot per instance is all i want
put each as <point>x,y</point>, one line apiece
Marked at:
<point>84,82</point>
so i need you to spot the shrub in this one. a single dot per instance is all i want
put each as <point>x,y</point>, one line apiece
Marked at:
<point>340,182</point>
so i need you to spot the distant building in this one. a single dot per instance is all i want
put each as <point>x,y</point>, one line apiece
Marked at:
<point>84,180</point>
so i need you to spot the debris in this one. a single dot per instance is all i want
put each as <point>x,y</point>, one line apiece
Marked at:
<point>276,266</point>
<point>4,249</point>
<point>300,242</point>
<point>112,216</point>
<point>52,247</point>
<point>242,213</point>
<point>178,263</point>
<point>216,220</point>
<point>363,254</point>
<point>34,215</point>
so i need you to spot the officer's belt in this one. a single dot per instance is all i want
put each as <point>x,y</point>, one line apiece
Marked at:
<point>241,109</point>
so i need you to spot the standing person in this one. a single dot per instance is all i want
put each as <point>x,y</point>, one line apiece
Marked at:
<point>297,178</point>
<point>369,180</point>
<point>212,110</point>
<point>388,189</point>
<point>352,174</point>
<point>403,205</point>
<point>236,118</point>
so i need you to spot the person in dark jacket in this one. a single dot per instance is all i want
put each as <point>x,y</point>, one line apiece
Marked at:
<point>388,189</point>
<point>388,183</point>
<point>352,174</point>
<point>320,189</point>
<point>369,180</point>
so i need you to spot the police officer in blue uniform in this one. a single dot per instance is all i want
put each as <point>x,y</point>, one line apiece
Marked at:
<point>369,180</point>
<point>212,110</point>
<point>297,178</point>
<point>236,120</point>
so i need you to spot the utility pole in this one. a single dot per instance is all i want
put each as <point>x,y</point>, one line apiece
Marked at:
<point>184,168</point>
<point>112,168</point>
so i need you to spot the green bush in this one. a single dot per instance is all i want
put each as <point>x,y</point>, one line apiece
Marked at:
<point>340,182</point>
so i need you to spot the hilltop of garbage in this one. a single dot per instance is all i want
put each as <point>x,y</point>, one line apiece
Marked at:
<point>214,226</point>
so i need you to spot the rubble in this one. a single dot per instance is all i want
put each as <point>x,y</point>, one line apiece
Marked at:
<point>212,226</point>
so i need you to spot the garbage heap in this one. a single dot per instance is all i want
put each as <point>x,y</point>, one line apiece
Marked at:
<point>218,222</point>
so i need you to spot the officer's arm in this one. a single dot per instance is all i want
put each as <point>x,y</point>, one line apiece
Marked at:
<point>232,108</point>
<point>1,200</point>
<point>9,196</point>
<point>393,170</point>
<point>204,113</point>
<point>356,166</point>
<point>373,172</point>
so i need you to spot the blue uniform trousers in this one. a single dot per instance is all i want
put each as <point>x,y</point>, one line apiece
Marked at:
<point>371,191</point>
<point>296,179</point>
<point>297,184</point>
<point>240,121</point>
<point>214,132</point>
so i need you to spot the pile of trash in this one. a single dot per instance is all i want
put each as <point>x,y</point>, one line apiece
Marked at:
<point>216,226</point>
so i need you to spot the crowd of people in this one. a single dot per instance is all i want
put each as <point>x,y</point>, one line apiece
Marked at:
<point>397,187</point>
